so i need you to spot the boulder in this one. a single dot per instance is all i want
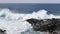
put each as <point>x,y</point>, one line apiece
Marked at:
<point>45,25</point>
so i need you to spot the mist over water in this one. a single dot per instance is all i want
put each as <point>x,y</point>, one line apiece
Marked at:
<point>15,23</point>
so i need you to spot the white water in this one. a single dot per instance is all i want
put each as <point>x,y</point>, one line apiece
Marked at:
<point>15,23</point>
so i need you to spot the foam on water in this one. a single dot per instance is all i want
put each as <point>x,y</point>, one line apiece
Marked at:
<point>15,23</point>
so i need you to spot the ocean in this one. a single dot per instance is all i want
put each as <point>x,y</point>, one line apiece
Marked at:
<point>30,7</point>
<point>13,16</point>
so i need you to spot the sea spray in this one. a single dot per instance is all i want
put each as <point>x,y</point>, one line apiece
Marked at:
<point>14,23</point>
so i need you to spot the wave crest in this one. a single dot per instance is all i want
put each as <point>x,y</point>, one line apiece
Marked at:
<point>15,23</point>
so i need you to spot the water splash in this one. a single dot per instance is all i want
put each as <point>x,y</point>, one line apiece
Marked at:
<point>15,23</point>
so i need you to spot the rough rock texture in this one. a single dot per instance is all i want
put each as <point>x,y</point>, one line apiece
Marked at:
<point>2,31</point>
<point>46,25</point>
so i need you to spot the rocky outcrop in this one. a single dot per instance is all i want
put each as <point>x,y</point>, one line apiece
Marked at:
<point>2,31</point>
<point>45,25</point>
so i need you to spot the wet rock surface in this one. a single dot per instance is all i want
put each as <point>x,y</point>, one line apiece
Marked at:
<point>2,31</point>
<point>46,25</point>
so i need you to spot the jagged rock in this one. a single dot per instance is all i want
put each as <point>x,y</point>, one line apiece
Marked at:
<point>45,25</point>
<point>2,31</point>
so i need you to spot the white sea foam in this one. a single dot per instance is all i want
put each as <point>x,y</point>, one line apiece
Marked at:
<point>15,23</point>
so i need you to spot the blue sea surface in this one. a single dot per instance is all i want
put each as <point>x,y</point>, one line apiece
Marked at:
<point>30,7</point>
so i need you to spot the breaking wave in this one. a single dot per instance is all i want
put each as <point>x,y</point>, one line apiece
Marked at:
<point>15,23</point>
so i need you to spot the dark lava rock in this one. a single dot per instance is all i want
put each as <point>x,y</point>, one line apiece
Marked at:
<point>2,31</point>
<point>45,25</point>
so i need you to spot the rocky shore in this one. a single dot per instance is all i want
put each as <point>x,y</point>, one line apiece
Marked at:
<point>52,26</point>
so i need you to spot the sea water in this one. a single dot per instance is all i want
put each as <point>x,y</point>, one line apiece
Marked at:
<point>13,21</point>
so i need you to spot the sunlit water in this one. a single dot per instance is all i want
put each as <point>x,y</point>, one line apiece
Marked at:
<point>15,23</point>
